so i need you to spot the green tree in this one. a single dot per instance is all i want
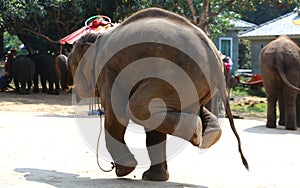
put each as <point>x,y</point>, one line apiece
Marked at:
<point>268,10</point>
<point>40,24</point>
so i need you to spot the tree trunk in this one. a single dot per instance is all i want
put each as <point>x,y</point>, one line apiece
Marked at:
<point>203,22</point>
<point>2,54</point>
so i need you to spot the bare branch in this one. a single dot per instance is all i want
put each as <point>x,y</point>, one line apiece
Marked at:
<point>204,16</point>
<point>40,35</point>
<point>193,11</point>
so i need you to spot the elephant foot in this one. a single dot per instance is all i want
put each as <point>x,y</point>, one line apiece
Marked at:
<point>156,173</point>
<point>211,137</point>
<point>196,139</point>
<point>24,92</point>
<point>128,165</point>
<point>271,125</point>
<point>44,90</point>
<point>281,122</point>
<point>51,92</point>
<point>17,91</point>
<point>212,131</point>
<point>291,127</point>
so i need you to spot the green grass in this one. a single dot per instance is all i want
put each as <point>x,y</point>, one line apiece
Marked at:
<point>248,91</point>
<point>256,108</point>
<point>253,107</point>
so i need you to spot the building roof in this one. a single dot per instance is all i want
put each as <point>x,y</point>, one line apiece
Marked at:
<point>282,25</point>
<point>240,25</point>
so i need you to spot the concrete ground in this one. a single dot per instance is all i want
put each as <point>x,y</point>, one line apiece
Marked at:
<point>43,151</point>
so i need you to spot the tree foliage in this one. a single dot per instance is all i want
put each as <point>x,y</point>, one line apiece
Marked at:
<point>40,24</point>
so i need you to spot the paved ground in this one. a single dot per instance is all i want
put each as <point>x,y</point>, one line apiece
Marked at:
<point>39,151</point>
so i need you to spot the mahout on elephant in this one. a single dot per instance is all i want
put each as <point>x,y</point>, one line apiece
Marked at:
<point>22,70</point>
<point>280,69</point>
<point>63,72</point>
<point>159,71</point>
<point>45,68</point>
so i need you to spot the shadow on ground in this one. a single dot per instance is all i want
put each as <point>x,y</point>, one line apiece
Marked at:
<point>280,130</point>
<point>66,180</point>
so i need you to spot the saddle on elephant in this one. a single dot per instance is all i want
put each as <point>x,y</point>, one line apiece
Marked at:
<point>94,24</point>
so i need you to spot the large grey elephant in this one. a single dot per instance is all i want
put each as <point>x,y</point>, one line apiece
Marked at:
<point>22,70</point>
<point>158,70</point>
<point>280,68</point>
<point>45,68</point>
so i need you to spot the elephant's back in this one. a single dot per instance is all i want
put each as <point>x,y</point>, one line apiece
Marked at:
<point>162,48</point>
<point>45,65</point>
<point>281,45</point>
<point>23,67</point>
<point>159,37</point>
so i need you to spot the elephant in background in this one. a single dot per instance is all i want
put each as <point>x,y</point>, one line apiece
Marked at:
<point>198,126</point>
<point>22,70</point>
<point>63,72</point>
<point>280,68</point>
<point>45,68</point>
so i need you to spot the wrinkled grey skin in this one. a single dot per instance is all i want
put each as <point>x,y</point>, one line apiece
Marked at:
<point>114,90</point>
<point>280,68</point>
<point>45,68</point>
<point>22,70</point>
<point>63,72</point>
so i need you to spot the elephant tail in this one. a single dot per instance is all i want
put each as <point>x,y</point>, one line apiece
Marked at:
<point>230,118</point>
<point>280,68</point>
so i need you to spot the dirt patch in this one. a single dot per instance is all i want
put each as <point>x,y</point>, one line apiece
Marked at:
<point>61,105</point>
<point>37,103</point>
<point>255,107</point>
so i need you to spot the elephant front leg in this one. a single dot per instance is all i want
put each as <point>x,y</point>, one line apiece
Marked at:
<point>115,143</point>
<point>156,146</point>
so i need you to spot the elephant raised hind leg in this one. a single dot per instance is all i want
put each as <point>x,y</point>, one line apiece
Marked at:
<point>164,111</point>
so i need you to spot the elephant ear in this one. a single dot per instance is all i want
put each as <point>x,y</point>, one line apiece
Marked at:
<point>84,77</point>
